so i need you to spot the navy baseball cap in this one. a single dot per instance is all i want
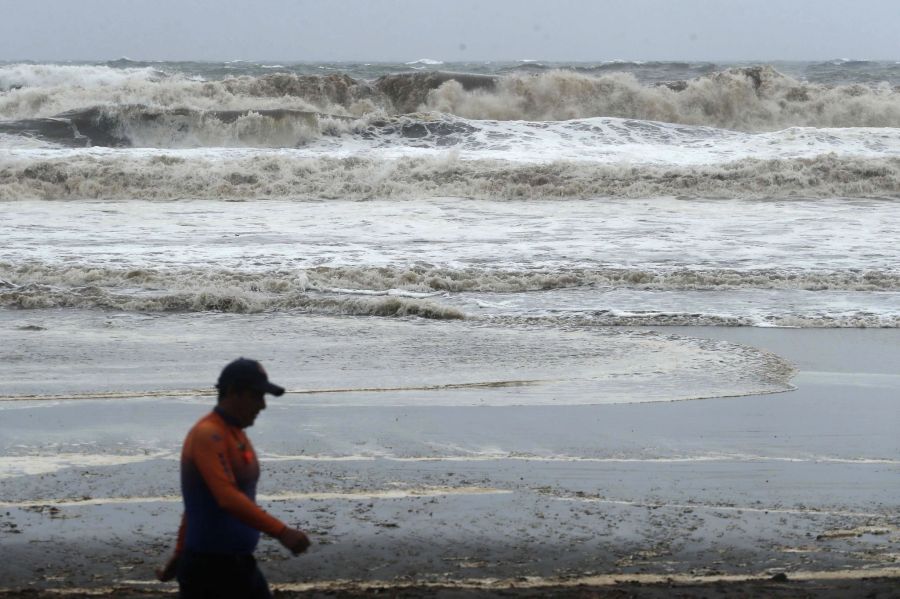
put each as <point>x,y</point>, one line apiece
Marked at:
<point>247,374</point>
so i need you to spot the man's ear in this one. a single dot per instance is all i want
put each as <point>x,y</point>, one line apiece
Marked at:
<point>223,393</point>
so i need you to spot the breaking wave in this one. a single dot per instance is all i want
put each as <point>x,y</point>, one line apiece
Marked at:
<point>196,290</point>
<point>42,91</point>
<point>235,301</point>
<point>747,99</point>
<point>161,176</point>
<point>220,300</point>
<point>420,281</point>
<point>139,126</point>
<point>600,139</point>
<point>415,291</point>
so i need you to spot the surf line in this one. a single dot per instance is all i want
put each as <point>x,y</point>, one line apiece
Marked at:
<point>208,393</point>
<point>323,496</point>
<point>537,582</point>
<point>532,582</point>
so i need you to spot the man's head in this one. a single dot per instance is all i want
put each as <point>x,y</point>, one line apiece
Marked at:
<point>242,387</point>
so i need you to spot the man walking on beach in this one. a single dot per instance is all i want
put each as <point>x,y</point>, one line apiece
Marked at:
<point>221,523</point>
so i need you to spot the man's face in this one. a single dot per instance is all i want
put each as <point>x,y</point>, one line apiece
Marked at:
<point>248,406</point>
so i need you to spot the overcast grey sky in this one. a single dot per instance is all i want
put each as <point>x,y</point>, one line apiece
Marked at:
<point>450,30</point>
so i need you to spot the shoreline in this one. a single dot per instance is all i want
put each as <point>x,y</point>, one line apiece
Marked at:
<point>712,498</point>
<point>827,584</point>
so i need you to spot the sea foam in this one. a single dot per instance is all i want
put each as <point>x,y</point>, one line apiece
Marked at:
<point>167,176</point>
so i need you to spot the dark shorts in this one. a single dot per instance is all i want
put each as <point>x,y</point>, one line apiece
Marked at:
<point>216,576</point>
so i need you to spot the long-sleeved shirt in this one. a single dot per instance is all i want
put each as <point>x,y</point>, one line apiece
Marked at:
<point>219,472</point>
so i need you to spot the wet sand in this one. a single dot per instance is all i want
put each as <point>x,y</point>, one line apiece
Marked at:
<point>717,495</point>
<point>821,587</point>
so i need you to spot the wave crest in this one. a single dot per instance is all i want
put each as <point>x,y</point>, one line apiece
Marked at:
<point>419,281</point>
<point>161,176</point>
<point>411,292</point>
<point>37,296</point>
<point>748,99</point>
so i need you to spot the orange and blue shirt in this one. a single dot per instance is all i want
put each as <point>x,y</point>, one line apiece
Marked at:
<point>219,472</point>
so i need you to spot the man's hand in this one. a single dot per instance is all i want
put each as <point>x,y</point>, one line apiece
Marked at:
<point>295,540</point>
<point>167,572</point>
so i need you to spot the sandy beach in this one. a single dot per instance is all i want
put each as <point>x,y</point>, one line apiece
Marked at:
<point>704,494</point>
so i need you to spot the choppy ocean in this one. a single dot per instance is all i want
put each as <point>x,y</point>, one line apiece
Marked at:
<point>565,194</point>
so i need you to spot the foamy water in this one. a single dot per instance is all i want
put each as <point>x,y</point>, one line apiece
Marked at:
<point>598,262</point>
<point>514,196</point>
